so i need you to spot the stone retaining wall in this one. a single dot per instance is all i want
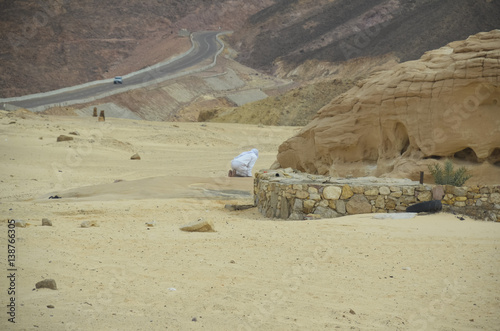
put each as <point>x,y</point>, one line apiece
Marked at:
<point>292,195</point>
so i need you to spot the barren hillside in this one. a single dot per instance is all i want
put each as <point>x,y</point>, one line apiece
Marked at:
<point>51,44</point>
<point>45,45</point>
<point>293,32</point>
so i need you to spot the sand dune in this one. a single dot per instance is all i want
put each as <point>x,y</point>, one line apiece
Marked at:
<point>359,273</point>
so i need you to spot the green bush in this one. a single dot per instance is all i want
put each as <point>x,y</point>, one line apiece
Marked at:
<point>448,176</point>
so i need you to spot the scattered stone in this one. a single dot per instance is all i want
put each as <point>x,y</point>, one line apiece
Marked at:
<point>101,117</point>
<point>352,312</point>
<point>136,156</point>
<point>425,196</point>
<point>332,192</point>
<point>390,204</point>
<point>74,133</point>
<point>64,138</point>
<point>495,198</point>
<point>54,197</point>
<point>312,190</point>
<point>50,306</point>
<point>151,224</point>
<point>409,191</point>
<point>46,222</point>
<point>88,224</point>
<point>358,189</point>
<point>302,194</point>
<point>372,191</point>
<point>406,268</point>
<point>358,204</point>
<point>341,207</point>
<point>95,112</point>
<point>346,192</point>
<point>232,261</point>
<point>296,216</point>
<point>437,192</point>
<point>47,283</point>
<point>396,194</point>
<point>199,226</point>
<point>20,223</point>
<point>380,202</point>
<point>309,205</point>
<point>326,212</point>
<point>384,190</point>
<point>459,191</point>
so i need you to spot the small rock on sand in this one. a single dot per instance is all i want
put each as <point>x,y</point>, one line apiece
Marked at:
<point>88,224</point>
<point>199,226</point>
<point>47,283</point>
<point>135,157</point>
<point>46,222</point>
<point>64,138</point>
<point>20,223</point>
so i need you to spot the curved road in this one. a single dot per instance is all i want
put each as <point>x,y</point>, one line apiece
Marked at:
<point>205,46</point>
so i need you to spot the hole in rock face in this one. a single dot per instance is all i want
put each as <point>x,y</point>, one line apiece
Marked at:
<point>494,157</point>
<point>405,146</point>
<point>402,139</point>
<point>466,154</point>
<point>434,157</point>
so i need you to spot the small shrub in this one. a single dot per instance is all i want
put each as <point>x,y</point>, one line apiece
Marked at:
<point>448,176</point>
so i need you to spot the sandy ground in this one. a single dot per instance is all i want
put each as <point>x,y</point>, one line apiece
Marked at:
<point>352,273</point>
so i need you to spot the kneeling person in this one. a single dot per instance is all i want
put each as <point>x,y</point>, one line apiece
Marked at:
<point>242,164</point>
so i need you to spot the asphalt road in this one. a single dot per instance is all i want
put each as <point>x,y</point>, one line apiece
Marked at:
<point>205,47</point>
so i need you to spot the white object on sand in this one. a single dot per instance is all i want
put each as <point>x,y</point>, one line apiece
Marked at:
<point>395,216</point>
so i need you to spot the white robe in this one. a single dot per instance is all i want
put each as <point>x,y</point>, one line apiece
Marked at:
<point>243,163</point>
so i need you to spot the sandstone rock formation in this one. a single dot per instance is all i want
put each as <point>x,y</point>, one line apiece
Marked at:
<point>447,104</point>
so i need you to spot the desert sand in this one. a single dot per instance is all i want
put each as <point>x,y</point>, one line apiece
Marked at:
<point>433,272</point>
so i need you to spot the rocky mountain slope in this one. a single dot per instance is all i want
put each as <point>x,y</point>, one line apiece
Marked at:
<point>447,104</point>
<point>290,33</point>
<point>45,45</point>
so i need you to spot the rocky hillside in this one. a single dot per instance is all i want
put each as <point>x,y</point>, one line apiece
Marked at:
<point>290,33</point>
<point>45,45</point>
<point>395,123</point>
<point>293,108</point>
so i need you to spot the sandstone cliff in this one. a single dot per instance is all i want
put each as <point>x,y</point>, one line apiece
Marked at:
<point>447,104</point>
